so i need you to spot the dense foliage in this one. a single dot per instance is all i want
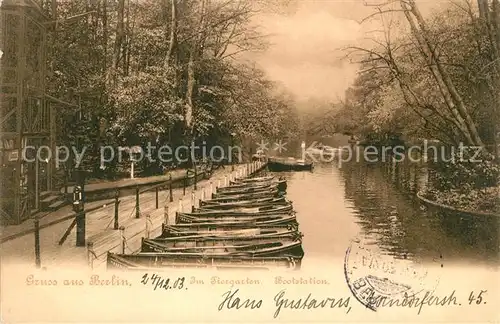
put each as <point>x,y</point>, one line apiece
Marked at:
<point>414,88</point>
<point>437,80</point>
<point>167,72</point>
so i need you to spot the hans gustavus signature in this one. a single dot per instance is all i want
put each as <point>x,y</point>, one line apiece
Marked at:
<point>232,300</point>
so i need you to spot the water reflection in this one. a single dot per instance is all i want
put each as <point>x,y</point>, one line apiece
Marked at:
<point>389,212</point>
<point>378,200</point>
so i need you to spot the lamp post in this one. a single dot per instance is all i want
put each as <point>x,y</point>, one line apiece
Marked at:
<point>135,153</point>
<point>77,198</point>
<point>78,207</point>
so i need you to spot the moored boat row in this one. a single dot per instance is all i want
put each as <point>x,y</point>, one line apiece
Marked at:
<point>249,223</point>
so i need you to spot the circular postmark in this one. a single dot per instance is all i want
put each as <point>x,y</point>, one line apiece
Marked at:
<point>377,280</point>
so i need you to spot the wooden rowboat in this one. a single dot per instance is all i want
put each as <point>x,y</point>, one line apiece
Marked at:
<point>218,225</point>
<point>208,204</point>
<point>144,261</point>
<point>235,207</point>
<point>204,229</point>
<point>246,189</point>
<point>256,179</point>
<point>269,248</point>
<point>241,184</point>
<point>288,164</point>
<point>266,220</point>
<point>280,184</point>
<point>245,211</point>
<point>249,197</point>
<point>249,235</point>
<point>214,239</point>
<point>246,196</point>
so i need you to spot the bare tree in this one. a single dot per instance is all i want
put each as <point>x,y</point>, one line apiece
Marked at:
<point>447,88</point>
<point>454,119</point>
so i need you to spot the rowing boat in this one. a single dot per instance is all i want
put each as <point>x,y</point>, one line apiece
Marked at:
<point>266,247</point>
<point>143,261</point>
<point>288,164</point>
<point>245,211</point>
<point>266,220</point>
<point>208,204</point>
<point>281,185</point>
<point>223,193</point>
<point>238,183</point>
<point>213,239</point>
<point>247,188</point>
<point>256,179</point>
<point>233,207</point>
<point>214,229</point>
<point>247,235</point>
<point>246,196</point>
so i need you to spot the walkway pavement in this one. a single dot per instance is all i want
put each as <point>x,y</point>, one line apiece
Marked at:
<point>104,185</point>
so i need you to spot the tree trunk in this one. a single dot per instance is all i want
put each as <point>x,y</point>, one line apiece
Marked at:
<point>491,19</point>
<point>126,43</point>
<point>496,115</point>
<point>118,41</point>
<point>172,58</point>
<point>191,73</point>
<point>172,47</point>
<point>105,35</point>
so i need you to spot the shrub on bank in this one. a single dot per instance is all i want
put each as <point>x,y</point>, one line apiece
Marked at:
<point>486,200</point>
<point>466,180</point>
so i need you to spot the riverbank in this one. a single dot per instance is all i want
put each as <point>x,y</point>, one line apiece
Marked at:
<point>484,202</point>
<point>125,187</point>
<point>101,235</point>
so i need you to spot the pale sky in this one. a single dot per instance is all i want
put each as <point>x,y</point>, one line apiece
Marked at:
<point>305,54</point>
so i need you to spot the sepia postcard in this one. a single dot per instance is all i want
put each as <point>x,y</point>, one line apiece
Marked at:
<point>249,161</point>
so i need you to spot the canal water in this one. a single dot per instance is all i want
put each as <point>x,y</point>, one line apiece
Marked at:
<point>377,203</point>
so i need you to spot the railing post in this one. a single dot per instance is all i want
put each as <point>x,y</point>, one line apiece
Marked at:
<point>137,207</point>
<point>170,188</point>
<point>117,204</point>
<point>185,183</point>
<point>192,201</point>
<point>195,176</point>
<point>80,228</point>
<point>165,214</point>
<point>37,242</point>
<point>66,175</point>
<point>148,223</point>
<point>122,234</point>
<point>156,193</point>
<point>90,254</point>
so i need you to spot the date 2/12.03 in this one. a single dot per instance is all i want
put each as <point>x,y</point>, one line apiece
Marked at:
<point>157,281</point>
